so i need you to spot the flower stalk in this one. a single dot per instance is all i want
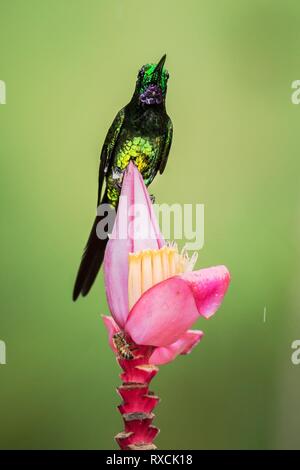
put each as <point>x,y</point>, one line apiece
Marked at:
<point>138,402</point>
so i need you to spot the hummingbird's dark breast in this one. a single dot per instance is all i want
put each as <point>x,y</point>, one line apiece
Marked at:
<point>140,141</point>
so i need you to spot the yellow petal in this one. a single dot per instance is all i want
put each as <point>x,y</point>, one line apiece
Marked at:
<point>157,272</point>
<point>149,267</point>
<point>146,271</point>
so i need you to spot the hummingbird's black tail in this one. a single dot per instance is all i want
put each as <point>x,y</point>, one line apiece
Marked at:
<point>91,261</point>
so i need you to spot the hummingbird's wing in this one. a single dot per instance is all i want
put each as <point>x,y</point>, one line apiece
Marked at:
<point>94,250</point>
<point>166,146</point>
<point>107,149</point>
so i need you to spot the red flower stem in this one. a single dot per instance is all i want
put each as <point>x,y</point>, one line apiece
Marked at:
<point>138,402</point>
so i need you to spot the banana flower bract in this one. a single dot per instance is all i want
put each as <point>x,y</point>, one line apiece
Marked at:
<point>154,298</point>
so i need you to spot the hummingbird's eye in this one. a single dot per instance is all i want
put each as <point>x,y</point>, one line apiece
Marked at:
<point>141,72</point>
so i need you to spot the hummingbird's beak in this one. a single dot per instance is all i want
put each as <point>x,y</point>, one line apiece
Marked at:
<point>158,69</point>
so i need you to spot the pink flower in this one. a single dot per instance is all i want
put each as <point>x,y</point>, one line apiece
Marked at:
<point>153,294</point>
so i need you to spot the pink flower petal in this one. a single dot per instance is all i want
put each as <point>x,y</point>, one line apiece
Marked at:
<point>135,229</point>
<point>165,311</point>
<point>183,345</point>
<point>209,287</point>
<point>162,314</point>
<point>144,230</point>
<point>112,329</point>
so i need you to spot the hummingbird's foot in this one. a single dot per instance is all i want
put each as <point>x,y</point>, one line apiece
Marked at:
<point>117,176</point>
<point>152,197</point>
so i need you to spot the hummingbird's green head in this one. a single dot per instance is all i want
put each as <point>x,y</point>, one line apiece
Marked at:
<point>152,83</point>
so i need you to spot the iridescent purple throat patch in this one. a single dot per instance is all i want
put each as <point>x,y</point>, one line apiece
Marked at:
<point>152,95</point>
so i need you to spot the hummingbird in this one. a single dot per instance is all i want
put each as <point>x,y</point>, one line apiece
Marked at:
<point>142,133</point>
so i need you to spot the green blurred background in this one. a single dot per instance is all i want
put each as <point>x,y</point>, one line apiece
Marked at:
<point>69,65</point>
